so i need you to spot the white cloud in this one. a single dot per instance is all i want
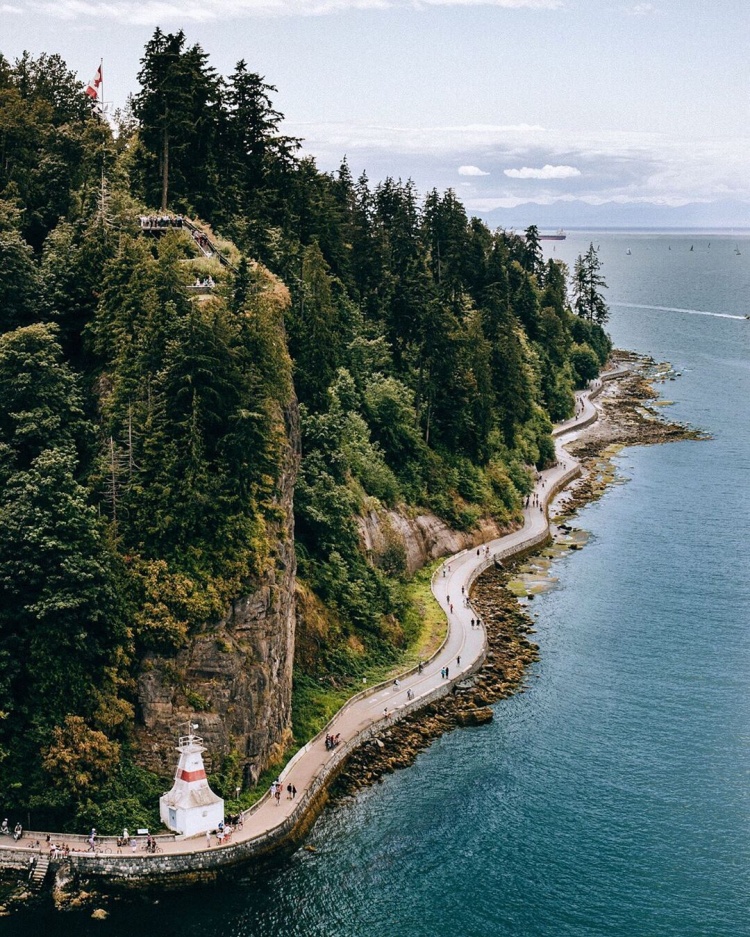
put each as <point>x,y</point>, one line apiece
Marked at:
<point>149,12</point>
<point>641,9</point>
<point>9,8</point>
<point>471,171</point>
<point>612,166</point>
<point>546,172</point>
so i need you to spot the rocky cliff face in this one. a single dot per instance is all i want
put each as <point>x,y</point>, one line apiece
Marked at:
<point>234,679</point>
<point>419,539</point>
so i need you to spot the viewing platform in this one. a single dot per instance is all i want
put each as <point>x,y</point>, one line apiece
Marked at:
<point>162,223</point>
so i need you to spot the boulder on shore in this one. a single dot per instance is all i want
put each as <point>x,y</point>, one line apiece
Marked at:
<point>474,717</point>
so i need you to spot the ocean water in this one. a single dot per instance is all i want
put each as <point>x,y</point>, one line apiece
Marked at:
<point>613,797</point>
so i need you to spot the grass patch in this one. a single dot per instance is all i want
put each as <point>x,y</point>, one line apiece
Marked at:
<point>316,700</point>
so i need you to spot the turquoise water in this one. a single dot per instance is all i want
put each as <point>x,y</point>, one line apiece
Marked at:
<point>612,797</point>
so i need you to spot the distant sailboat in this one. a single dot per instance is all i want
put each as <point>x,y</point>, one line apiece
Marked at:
<point>737,250</point>
<point>628,252</point>
<point>691,247</point>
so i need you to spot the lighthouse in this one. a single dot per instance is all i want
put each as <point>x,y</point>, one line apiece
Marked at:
<point>191,807</point>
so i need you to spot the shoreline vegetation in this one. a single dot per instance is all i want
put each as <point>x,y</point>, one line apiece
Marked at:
<point>510,651</point>
<point>626,418</point>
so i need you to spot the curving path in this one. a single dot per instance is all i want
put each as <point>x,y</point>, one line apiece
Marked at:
<point>366,714</point>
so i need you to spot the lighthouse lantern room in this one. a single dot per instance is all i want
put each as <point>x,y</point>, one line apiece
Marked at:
<point>191,807</point>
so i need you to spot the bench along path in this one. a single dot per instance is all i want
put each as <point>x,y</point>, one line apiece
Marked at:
<point>369,712</point>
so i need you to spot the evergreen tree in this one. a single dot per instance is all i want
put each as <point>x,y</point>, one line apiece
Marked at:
<point>178,114</point>
<point>533,259</point>
<point>588,284</point>
<point>21,297</point>
<point>315,335</point>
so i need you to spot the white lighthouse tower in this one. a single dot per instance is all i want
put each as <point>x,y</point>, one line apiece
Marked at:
<point>191,807</point>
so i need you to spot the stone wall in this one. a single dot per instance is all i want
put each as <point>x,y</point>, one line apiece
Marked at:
<point>235,678</point>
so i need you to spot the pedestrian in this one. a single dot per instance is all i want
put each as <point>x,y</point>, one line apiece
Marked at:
<point>448,599</point>
<point>385,711</point>
<point>462,590</point>
<point>294,792</point>
<point>458,661</point>
<point>472,622</point>
<point>208,841</point>
<point>289,791</point>
<point>420,668</point>
<point>451,608</point>
<point>278,795</point>
<point>447,672</point>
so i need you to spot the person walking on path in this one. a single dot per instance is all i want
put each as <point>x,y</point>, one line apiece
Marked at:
<point>208,839</point>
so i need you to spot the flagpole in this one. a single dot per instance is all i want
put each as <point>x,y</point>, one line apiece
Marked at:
<point>101,73</point>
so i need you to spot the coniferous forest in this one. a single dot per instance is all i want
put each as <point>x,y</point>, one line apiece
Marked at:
<point>144,427</point>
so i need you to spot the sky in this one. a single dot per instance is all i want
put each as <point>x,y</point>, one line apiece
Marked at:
<point>556,112</point>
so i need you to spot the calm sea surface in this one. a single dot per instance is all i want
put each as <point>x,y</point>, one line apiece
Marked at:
<point>613,798</point>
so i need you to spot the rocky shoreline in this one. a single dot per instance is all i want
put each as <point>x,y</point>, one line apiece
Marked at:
<point>627,417</point>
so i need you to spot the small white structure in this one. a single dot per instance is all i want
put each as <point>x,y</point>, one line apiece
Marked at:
<point>191,807</point>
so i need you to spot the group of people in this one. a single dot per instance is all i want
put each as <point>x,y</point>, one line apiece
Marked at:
<point>17,830</point>
<point>277,787</point>
<point>208,282</point>
<point>150,222</point>
<point>532,500</point>
<point>332,741</point>
<point>223,834</point>
<point>60,850</point>
<point>202,241</point>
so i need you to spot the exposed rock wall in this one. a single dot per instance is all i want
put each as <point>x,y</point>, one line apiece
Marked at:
<point>422,538</point>
<point>235,678</point>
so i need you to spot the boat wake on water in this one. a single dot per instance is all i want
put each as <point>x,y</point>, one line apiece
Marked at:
<point>692,312</point>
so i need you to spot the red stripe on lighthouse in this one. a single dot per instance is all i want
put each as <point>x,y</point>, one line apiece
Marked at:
<point>189,776</point>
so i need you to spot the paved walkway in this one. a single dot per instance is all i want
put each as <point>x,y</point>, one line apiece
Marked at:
<point>462,652</point>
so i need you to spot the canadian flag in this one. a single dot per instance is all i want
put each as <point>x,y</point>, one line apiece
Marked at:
<point>92,89</point>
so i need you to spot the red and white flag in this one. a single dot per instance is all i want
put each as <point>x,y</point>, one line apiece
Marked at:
<point>92,89</point>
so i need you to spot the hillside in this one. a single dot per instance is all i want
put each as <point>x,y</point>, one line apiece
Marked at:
<point>241,423</point>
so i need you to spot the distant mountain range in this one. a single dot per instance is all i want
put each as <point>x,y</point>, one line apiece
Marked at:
<point>724,214</point>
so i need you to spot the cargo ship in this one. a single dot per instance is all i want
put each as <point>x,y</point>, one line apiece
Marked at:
<point>558,236</point>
